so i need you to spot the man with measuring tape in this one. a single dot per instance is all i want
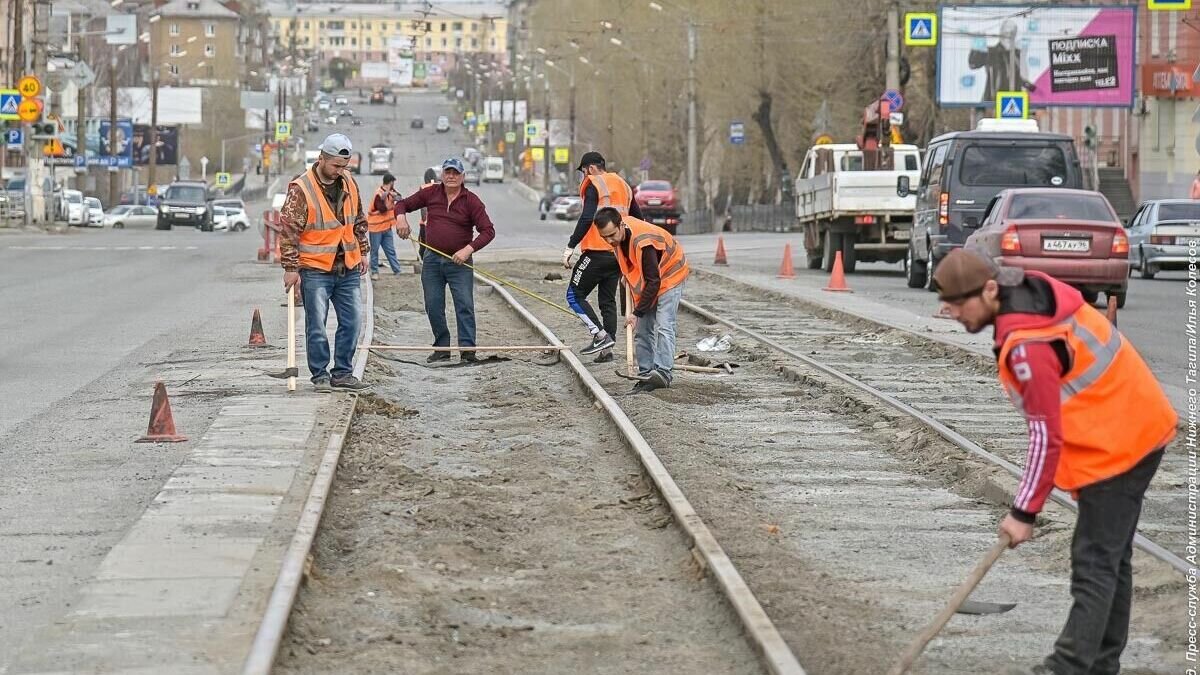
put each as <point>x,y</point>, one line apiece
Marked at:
<point>1098,425</point>
<point>453,213</point>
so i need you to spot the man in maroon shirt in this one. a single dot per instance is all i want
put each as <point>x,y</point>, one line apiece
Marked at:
<point>454,214</point>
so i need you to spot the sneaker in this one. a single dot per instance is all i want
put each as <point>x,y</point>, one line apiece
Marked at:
<point>349,383</point>
<point>470,357</point>
<point>599,344</point>
<point>438,356</point>
<point>659,380</point>
<point>606,356</point>
<point>321,384</point>
<point>641,387</point>
<point>374,276</point>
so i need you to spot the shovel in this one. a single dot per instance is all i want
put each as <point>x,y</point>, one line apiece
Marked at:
<point>957,602</point>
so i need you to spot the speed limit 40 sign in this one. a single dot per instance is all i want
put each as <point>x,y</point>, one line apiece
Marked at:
<point>29,86</point>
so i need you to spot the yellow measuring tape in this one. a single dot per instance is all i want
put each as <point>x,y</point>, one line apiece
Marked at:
<point>498,280</point>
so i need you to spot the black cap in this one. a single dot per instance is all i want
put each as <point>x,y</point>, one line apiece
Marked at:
<point>388,178</point>
<point>589,159</point>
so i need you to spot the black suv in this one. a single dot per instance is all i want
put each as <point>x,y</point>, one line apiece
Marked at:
<point>185,202</point>
<point>963,171</point>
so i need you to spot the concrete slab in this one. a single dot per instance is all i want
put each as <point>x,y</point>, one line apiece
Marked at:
<point>201,597</point>
<point>167,558</point>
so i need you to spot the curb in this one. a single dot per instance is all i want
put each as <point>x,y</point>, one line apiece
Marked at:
<point>526,192</point>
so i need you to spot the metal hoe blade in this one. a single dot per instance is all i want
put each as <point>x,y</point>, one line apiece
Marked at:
<point>979,607</point>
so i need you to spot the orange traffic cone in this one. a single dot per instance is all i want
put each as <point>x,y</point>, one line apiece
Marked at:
<point>720,259</point>
<point>785,268</point>
<point>837,280</point>
<point>257,339</point>
<point>162,424</point>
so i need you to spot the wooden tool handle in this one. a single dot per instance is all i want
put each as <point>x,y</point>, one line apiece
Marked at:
<point>964,590</point>
<point>291,346</point>
<point>629,333</point>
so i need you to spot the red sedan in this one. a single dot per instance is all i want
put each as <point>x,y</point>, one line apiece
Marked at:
<point>656,200</point>
<point>1072,235</point>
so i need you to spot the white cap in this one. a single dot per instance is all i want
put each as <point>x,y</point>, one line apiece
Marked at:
<point>337,145</point>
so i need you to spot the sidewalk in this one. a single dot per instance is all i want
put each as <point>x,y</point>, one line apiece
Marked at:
<point>184,590</point>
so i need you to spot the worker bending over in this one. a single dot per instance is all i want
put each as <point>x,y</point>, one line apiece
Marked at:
<point>654,268</point>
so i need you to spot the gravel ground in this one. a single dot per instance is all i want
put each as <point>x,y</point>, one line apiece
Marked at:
<point>484,521</point>
<point>852,524</point>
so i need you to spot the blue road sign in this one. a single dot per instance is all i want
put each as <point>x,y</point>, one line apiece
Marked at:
<point>10,100</point>
<point>920,29</point>
<point>14,138</point>
<point>80,161</point>
<point>894,99</point>
<point>737,133</point>
<point>1012,105</point>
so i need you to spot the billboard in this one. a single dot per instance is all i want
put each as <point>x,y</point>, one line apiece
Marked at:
<point>374,70</point>
<point>400,61</point>
<point>1063,56</point>
<point>122,154</point>
<point>168,145</point>
<point>512,111</point>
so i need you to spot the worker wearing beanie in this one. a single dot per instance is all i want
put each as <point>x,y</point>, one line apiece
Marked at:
<point>1076,379</point>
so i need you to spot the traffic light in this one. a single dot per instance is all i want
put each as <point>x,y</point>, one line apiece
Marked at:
<point>1089,137</point>
<point>44,130</point>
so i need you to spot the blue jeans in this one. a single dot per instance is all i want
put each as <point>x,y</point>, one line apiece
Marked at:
<point>387,242</point>
<point>654,335</point>
<point>319,290</point>
<point>436,273</point>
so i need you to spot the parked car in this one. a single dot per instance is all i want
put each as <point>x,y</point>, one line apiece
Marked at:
<point>1159,233</point>
<point>130,215</point>
<point>443,124</point>
<point>324,104</point>
<point>657,201</point>
<point>341,100</point>
<point>567,208</point>
<point>185,203</point>
<point>77,213</point>
<point>964,170</point>
<point>471,176</point>
<point>417,122</point>
<point>547,201</point>
<point>493,169</point>
<point>313,122</point>
<point>231,219</point>
<point>332,119</point>
<point>95,212</point>
<point>13,196</point>
<point>348,112</point>
<point>1074,236</point>
<point>228,203</point>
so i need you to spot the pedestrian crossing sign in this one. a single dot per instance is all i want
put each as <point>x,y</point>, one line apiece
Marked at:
<point>283,131</point>
<point>1169,5</point>
<point>10,101</point>
<point>920,29</point>
<point>224,180</point>
<point>1012,105</point>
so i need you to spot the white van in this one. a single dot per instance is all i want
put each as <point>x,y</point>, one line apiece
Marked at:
<point>493,169</point>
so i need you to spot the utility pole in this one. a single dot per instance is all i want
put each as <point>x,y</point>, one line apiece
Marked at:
<point>114,175</point>
<point>546,132</point>
<point>153,163</point>
<point>571,157</point>
<point>893,46</point>
<point>692,167</point>
<point>35,199</point>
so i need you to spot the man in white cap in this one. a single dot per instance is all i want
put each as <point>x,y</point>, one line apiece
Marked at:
<point>325,251</point>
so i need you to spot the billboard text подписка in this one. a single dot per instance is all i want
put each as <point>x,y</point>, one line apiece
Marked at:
<point>1061,55</point>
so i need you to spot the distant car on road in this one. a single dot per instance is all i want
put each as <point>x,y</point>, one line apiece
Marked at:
<point>657,201</point>
<point>130,215</point>
<point>567,208</point>
<point>185,203</point>
<point>332,119</point>
<point>356,122</point>
<point>313,123</point>
<point>417,122</point>
<point>95,212</point>
<point>1159,233</point>
<point>1074,236</point>
<point>230,219</point>
<point>471,176</point>
<point>77,213</point>
<point>228,203</point>
<point>443,124</point>
<point>547,201</point>
<point>341,100</point>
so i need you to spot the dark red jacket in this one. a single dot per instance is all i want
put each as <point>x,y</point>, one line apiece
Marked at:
<point>449,227</point>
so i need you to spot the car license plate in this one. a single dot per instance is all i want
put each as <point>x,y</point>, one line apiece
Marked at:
<point>654,202</point>
<point>1067,245</point>
<point>659,221</point>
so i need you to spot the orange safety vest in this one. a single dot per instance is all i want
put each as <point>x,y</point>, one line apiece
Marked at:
<point>613,193</point>
<point>324,230</point>
<point>382,222</point>
<point>672,265</point>
<point>1114,412</point>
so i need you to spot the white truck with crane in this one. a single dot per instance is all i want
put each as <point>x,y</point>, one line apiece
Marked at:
<point>846,198</point>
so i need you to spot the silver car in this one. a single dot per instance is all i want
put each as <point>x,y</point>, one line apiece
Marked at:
<point>1159,233</point>
<point>130,215</point>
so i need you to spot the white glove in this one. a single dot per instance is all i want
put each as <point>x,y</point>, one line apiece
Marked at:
<point>567,257</point>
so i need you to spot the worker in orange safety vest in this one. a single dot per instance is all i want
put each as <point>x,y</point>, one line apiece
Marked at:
<point>380,222</point>
<point>1098,423</point>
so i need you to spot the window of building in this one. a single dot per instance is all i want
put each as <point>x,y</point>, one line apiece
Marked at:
<point>210,50</point>
<point>173,69</point>
<point>353,42</point>
<point>337,25</point>
<point>474,43</point>
<point>174,30</point>
<point>321,41</point>
<point>474,26</point>
<point>305,25</point>
<point>443,26</point>
<point>428,43</point>
<point>175,50</point>
<point>368,42</point>
<point>367,25</point>
<point>305,40</point>
<point>353,25</point>
<point>457,25</point>
<point>210,29</point>
<point>193,5</point>
<point>320,24</point>
<point>458,42</point>
<point>443,42</point>
<point>493,43</point>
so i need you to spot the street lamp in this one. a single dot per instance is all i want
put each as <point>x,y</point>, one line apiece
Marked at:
<point>692,168</point>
